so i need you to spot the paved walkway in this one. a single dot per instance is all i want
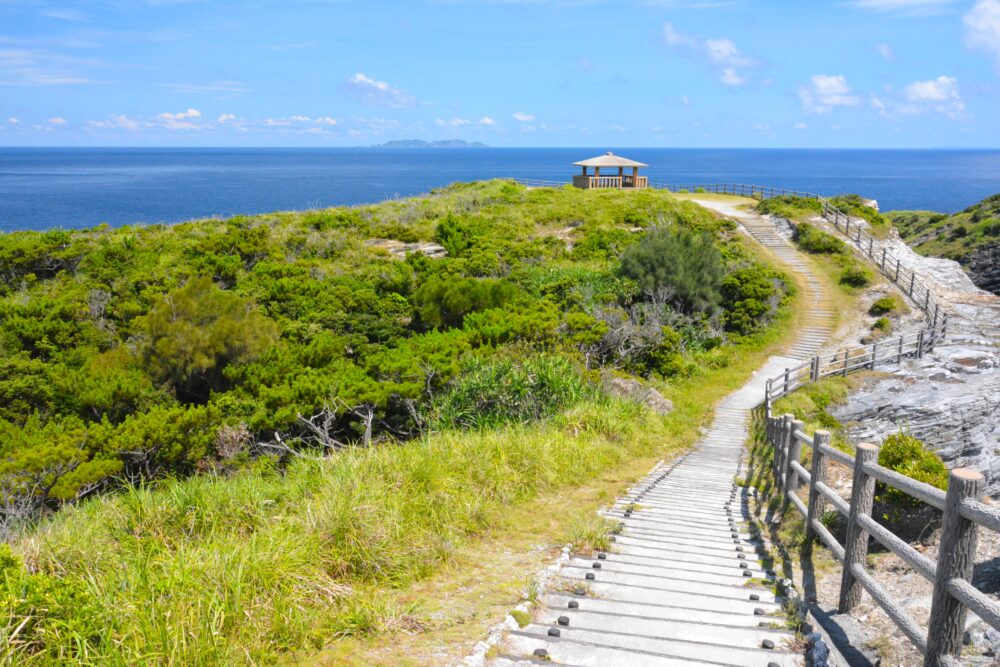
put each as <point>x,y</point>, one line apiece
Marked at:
<point>681,583</point>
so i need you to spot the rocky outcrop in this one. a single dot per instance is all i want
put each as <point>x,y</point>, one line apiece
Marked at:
<point>950,399</point>
<point>983,266</point>
<point>635,391</point>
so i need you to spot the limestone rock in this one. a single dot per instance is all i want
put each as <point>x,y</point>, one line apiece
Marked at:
<point>635,391</point>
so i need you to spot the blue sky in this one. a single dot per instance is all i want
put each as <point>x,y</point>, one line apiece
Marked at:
<point>754,73</point>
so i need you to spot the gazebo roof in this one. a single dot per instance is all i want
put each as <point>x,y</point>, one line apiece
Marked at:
<point>609,159</point>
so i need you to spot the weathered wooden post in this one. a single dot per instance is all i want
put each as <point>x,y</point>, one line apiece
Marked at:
<point>874,355</point>
<point>882,263</point>
<point>856,546</point>
<point>817,474</point>
<point>784,391</point>
<point>956,556</point>
<point>871,246</point>
<point>937,307</point>
<point>814,370</point>
<point>847,359</point>
<point>920,344</point>
<point>792,481</point>
<point>913,276</point>
<point>895,278</point>
<point>899,353</point>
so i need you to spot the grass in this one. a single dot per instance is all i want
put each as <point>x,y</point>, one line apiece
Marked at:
<point>386,555</point>
<point>952,236</point>
<point>267,564</point>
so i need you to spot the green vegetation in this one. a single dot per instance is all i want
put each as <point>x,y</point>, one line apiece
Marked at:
<point>802,208</point>
<point>856,275</point>
<point>906,455</point>
<point>886,305</point>
<point>951,236</point>
<point>882,324</point>
<point>816,241</point>
<point>263,351</point>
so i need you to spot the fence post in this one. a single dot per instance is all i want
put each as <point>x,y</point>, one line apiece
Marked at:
<point>792,481</point>
<point>847,359</point>
<point>814,374</point>
<point>882,264</point>
<point>817,474</point>
<point>927,299</point>
<point>871,246</point>
<point>784,391</point>
<point>956,556</point>
<point>920,344</point>
<point>913,276</point>
<point>899,354</point>
<point>895,278</point>
<point>856,546</point>
<point>937,307</point>
<point>782,451</point>
<point>874,355</point>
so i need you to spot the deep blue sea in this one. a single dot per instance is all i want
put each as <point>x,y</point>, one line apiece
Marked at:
<point>42,188</point>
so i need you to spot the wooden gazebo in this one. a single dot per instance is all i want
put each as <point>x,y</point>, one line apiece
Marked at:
<point>610,161</point>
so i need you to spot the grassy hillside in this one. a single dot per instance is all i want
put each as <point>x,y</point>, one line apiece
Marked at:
<point>228,440</point>
<point>971,237</point>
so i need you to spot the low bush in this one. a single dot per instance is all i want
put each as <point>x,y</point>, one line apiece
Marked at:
<point>491,393</point>
<point>855,275</point>
<point>905,454</point>
<point>882,324</point>
<point>884,306</point>
<point>817,241</point>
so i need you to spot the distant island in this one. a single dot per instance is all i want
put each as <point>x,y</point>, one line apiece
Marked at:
<point>420,143</point>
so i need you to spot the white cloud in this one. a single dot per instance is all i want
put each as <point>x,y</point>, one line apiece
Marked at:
<point>905,7</point>
<point>325,120</point>
<point>181,120</point>
<point>938,95</point>
<point>56,120</point>
<point>13,121</point>
<point>720,54</point>
<point>800,126</point>
<point>181,115</point>
<point>486,120</point>
<point>825,92</point>
<point>277,122</point>
<point>226,117</point>
<point>118,122</point>
<point>454,122</point>
<point>39,67</point>
<point>522,117</point>
<point>685,100</point>
<point>730,77</point>
<point>213,87</point>
<point>300,119</point>
<point>885,51</point>
<point>378,93</point>
<point>982,28</point>
<point>65,14</point>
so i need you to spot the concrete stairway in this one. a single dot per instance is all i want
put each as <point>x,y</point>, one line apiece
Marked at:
<point>682,583</point>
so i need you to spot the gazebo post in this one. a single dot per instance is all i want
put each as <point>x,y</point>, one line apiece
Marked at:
<point>621,176</point>
<point>635,177</point>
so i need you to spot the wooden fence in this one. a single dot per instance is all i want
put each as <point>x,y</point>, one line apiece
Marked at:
<point>852,360</point>
<point>875,250</point>
<point>951,573</point>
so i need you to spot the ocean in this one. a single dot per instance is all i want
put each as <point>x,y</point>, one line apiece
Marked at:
<point>44,188</point>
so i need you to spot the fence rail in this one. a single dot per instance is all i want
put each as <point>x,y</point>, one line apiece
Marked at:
<point>951,573</point>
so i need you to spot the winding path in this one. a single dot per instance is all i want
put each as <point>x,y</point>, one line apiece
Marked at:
<point>681,583</point>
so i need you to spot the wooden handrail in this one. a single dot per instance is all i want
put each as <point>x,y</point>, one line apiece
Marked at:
<point>963,514</point>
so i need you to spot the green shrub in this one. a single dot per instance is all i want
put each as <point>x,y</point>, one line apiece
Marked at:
<point>884,306</point>
<point>194,332</point>
<point>445,302</point>
<point>684,265</point>
<point>490,393</point>
<point>855,275</point>
<point>903,453</point>
<point>750,298</point>
<point>817,241</point>
<point>882,324</point>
